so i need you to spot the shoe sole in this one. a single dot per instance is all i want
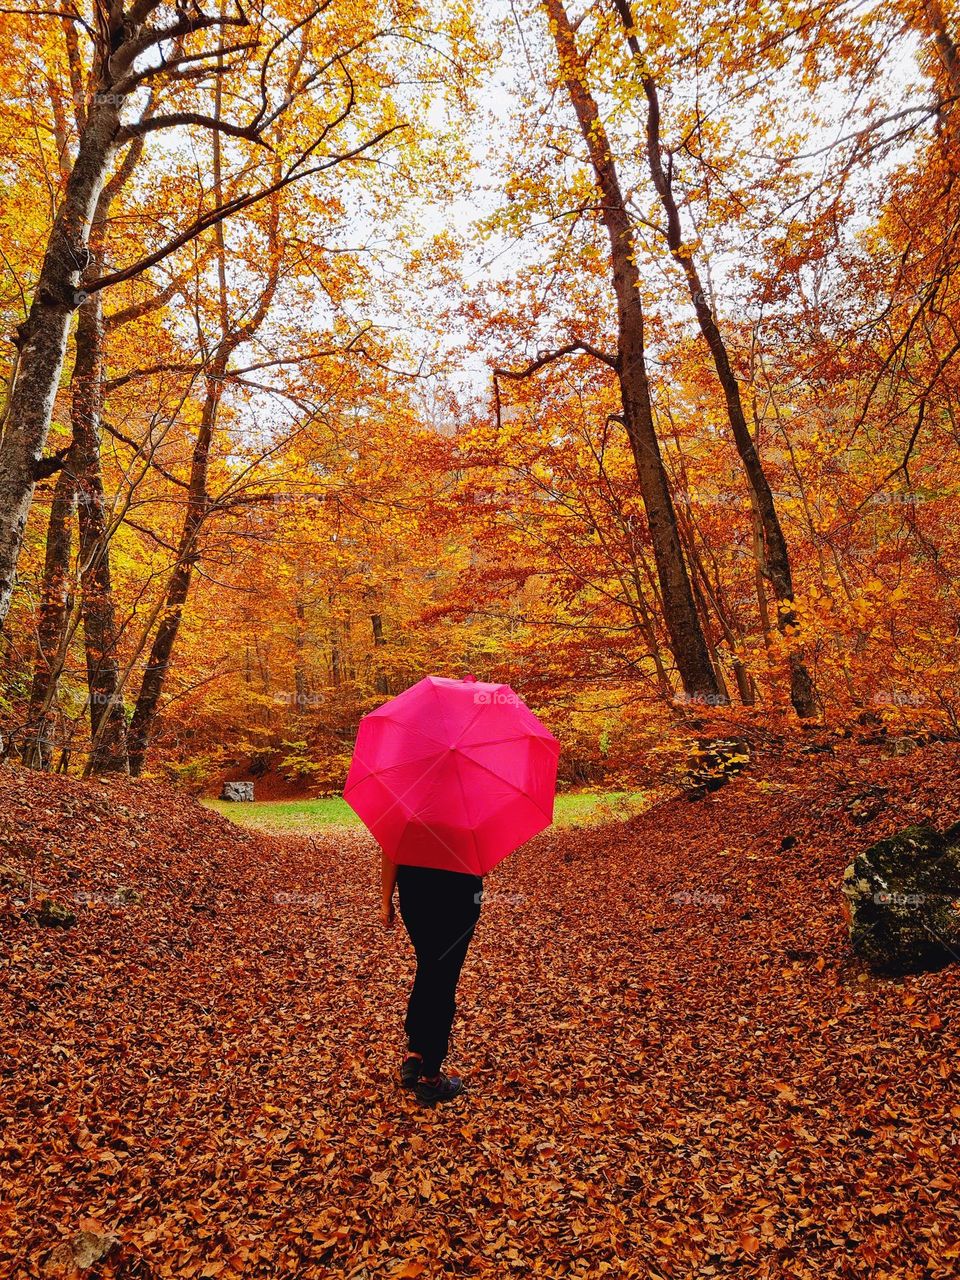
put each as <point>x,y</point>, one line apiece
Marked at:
<point>432,1102</point>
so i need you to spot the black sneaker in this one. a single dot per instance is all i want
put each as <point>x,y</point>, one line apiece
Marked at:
<point>446,1087</point>
<point>410,1072</point>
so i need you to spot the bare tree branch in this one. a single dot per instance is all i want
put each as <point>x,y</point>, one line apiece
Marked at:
<point>175,119</point>
<point>547,357</point>
<point>213,216</point>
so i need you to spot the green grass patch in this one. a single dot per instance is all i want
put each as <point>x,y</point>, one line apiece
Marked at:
<point>591,808</point>
<point>302,816</point>
<point>581,808</point>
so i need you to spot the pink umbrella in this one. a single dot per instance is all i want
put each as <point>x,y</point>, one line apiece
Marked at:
<point>453,774</point>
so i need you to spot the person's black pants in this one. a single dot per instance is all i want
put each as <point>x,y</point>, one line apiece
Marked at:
<point>439,910</point>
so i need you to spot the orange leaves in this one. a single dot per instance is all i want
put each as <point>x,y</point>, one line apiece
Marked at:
<point>649,1094</point>
<point>409,1271</point>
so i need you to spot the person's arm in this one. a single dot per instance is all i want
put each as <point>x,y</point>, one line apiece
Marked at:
<point>388,878</point>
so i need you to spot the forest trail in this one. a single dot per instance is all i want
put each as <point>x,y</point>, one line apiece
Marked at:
<point>674,1067</point>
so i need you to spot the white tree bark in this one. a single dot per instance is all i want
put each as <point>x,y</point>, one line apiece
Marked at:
<point>42,338</point>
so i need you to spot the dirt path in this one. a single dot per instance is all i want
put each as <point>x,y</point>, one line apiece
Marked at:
<point>674,1068</point>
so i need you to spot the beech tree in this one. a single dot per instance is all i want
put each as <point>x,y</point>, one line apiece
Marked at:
<point>774,563</point>
<point>680,612</point>
<point>710,256</point>
<point>147,43</point>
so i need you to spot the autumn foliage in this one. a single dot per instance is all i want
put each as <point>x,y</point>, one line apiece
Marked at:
<point>608,349</point>
<point>352,388</point>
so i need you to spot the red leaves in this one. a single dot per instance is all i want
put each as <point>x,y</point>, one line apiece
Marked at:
<point>674,1069</point>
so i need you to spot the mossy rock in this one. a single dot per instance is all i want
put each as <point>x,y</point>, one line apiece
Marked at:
<point>714,762</point>
<point>902,896</point>
<point>54,915</point>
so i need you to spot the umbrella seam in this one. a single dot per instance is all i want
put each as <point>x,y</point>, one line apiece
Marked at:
<point>471,723</point>
<point>442,713</point>
<point>469,812</point>
<point>407,727</point>
<point>518,737</point>
<point>398,799</point>
<point>512,785</point>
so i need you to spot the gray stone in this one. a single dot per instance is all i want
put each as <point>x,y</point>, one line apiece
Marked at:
<point>237,791</point>
<point>15,879</point>
<point>867,804</point>
<point>902,896</point>
<point>82,1250</point>
<point>818,748</point>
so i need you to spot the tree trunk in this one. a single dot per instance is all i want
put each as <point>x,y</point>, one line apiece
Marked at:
<point>55,605</point>
<point>712,599</point>
<point>155,674</point>
<point>690,650</point>
<point>198,498</point>
<point>71,489</point>
<point>108,727</point>
<point>42,338</point>
<point>775,562</point>
<point>301,681</point>
<point>337,663</point>
<point>936,25</point>
<point>380,680</point>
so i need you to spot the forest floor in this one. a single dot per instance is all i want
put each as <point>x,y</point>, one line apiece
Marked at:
<point>675,1069</point>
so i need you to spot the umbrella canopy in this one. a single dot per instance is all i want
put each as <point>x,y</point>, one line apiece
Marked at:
<point>453,774</point>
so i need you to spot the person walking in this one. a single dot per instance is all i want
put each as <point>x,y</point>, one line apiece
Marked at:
<point>449,777</point>
<point>440,910</point>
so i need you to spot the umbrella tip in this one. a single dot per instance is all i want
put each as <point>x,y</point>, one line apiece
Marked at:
<point>470,676</point>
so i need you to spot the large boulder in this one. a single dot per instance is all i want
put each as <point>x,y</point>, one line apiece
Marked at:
<point>237,791</point>
<point>902,896</point>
